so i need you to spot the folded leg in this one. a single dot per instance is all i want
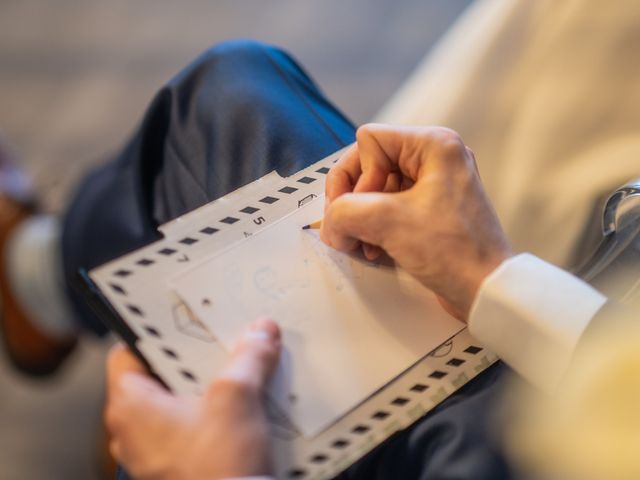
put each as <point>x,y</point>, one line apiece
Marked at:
<point>239,111</point>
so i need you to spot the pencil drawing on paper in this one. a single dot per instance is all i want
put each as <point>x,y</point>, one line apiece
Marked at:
<point>307,199</point>
<point>272,285</point>
<point>281,426</point>
<point>188,324</point>
<point>344,268</point>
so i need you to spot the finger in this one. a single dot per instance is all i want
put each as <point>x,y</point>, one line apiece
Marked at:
<point>371,252</point>
<point>375,164</point>
<point>393,183</point>
<point>361,217</point>
<point>410,150</point>
<point>255,356</point>
<point>138,399</point>
<point>119,362</point>
<point>406,183</point>
<point>129,387</point>
<point>335,239</point>
<point>343,175</point>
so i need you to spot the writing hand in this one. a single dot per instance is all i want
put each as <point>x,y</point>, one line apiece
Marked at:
<point>415,192</point>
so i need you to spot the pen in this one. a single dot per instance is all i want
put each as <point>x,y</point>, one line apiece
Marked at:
<point>314,225</point>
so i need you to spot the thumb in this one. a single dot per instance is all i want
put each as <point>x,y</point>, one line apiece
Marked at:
<point>360,217</point>
<point>121,362</point>
<point>132,395</point>
<point>255,356</point>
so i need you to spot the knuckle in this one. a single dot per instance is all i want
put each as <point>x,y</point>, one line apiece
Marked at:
<point>363,131</point>
<point>370,130</point>
<point>447,139</point>
<point>449,133</point>
<point>450,148</point>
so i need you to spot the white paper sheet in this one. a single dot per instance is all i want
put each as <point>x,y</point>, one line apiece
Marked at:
<point>349,326</point>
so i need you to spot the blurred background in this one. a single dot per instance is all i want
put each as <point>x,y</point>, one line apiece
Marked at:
<point>75,78</point>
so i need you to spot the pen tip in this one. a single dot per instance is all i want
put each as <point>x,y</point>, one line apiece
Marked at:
<point>306,227</point>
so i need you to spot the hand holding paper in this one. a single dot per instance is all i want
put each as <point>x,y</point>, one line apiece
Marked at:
<point>415,192</point>
<point>158,435</point>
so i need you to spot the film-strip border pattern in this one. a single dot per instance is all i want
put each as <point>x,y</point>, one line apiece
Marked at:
<point>174,253</point>
<point>179,249</point>
<point>396,407</point>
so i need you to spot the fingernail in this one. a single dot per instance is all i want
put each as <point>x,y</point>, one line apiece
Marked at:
<point>259,335</point>
<point>132,383</point>
<point>263,329</point>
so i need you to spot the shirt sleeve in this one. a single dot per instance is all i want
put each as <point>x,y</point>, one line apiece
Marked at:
<point>532,314</point>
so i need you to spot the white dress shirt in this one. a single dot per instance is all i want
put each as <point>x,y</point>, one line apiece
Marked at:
<point>532,314</point>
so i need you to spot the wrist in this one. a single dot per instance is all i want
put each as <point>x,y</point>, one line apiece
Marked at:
<point>472,277</point>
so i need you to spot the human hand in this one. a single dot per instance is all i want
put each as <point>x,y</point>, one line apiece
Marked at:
<point>415,192</point>
<point>223,434</point>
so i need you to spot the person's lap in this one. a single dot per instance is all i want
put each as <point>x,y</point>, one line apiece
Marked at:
<point>239,111</point>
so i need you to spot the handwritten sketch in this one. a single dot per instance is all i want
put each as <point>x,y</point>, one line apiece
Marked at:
<point>344,268</point>
<point>281,426</point>
<point>347,324</point>
<point>188,324</point>
<point>307,199</point>
<point>266,282</point>
<point>443,350</point>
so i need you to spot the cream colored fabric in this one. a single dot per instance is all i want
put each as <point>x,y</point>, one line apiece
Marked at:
<point>589,429</point>
<point>532,314</point>
<point>547,94</point>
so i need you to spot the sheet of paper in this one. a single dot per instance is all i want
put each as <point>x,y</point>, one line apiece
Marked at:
<point>349,325</point>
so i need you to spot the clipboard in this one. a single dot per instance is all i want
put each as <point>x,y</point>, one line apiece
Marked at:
<point>134,298</point>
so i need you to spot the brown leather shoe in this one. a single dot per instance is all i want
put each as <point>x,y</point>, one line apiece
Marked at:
<point>30,351</point>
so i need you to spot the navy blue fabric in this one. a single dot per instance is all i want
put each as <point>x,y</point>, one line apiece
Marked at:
<point>458,440</point>
<point>237,112</point>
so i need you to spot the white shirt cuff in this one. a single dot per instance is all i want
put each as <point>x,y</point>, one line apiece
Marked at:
<point>532,314</point>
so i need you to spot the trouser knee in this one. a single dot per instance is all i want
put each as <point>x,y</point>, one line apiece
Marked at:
<point>235,78</point>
